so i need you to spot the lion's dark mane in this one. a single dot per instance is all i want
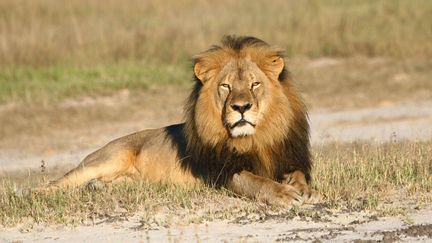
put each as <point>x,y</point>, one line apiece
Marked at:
<point>217,164</point>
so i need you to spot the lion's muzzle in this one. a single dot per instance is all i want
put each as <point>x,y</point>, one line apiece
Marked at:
<point>241,119</point>
<point>242,125</point>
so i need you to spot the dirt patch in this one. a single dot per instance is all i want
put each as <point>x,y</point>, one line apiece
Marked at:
<point>423,231</point>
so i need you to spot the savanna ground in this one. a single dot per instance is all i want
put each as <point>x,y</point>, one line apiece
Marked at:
<point>75,75</point>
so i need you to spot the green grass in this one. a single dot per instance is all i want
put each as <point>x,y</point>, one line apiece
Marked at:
<point>39,84</point>
<point>389,178</point>
<point>358,82</point>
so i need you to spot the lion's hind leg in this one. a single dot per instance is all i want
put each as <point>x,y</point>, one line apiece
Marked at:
<point>99,165</point>
<point>298,180</point>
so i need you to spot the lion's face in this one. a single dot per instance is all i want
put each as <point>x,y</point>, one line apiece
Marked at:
<point>240,95</point>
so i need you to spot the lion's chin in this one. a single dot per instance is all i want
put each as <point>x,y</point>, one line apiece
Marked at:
<point>242,130</point>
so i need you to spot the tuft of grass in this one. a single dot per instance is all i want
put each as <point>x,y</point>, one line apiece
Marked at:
<point>365,175</point>
<point>354,176</point>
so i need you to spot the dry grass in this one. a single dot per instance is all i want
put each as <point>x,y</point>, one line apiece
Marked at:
<point>46,32</point>
<point>353,176</point>
<point>365,173</point>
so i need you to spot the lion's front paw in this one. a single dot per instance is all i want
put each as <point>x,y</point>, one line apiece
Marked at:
<point>312,197</point>
<point>279,194</point>
<point>297,179</point>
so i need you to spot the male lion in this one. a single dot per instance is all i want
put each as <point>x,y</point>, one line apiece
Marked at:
<point>245,129</point>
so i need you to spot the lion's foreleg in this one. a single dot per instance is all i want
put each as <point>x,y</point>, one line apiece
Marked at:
<point>263,189</point>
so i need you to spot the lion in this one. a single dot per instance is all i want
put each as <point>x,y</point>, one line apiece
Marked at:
<point>245,128</point>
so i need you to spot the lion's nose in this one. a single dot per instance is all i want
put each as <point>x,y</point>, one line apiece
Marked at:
<point>242,108</point>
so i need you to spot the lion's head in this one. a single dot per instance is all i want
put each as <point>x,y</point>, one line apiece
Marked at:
<point>242,97</point>
<point>243,103</point>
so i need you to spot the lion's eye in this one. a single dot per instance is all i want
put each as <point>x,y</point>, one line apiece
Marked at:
<point>225,86</point>
<point>255,85</point>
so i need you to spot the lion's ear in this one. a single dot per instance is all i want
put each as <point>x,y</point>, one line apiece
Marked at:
<point>201,72</point>
<point>277,65</point>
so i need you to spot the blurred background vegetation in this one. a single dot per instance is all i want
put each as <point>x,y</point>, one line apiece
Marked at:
<point>51,48</point>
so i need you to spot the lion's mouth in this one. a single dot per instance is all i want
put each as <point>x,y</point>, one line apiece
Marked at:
<point>241,122</point>
<point>242,128</point>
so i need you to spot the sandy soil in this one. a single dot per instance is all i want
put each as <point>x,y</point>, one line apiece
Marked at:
<point>333,227</point>
<point>389,122</point>
<point>405,121</point>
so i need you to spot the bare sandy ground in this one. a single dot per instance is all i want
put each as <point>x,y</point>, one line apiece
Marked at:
<point>334,227</point>
<point>412,121</point>
<point>409,121</point>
